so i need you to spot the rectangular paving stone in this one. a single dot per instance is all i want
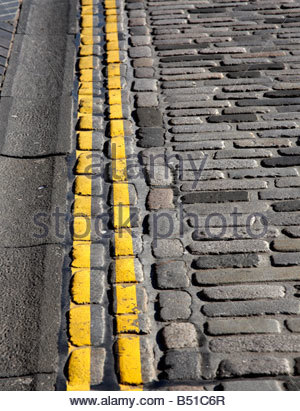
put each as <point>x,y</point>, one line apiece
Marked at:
<point>243,326</point>
<point>281,161</point>
<point>252,385</point>
<point>286,244</point>
<point>215,197</point>
<point>246,153</point>
<point>286,259</point>
<point>198,185</point>
<point>174,305</point>
<point>254,366</point>
<point>262,274</point>
<point>245,308</point>
<point>244,292</point>
<point>260,172</point>
<point>227,260</point>
<point>293,205</point>
<point>276,343</point>
<point>280,194</point>
<point>149,117</point>
<point>287,182</point>
<point>225,247</point>
<point>171,274</point>
<point>183,365</point>
<point>231,118</point>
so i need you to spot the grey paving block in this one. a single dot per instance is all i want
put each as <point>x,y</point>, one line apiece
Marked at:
<point>183,365</point>
<point>225,247</point>
<point>293,205</point>
<point>286,259</point>
<point>171,274</point>
<point>262,365</point>
<point>180,335</point>
<point>151,136</point>
<point>215,197</point>
<point>256,343</point>
<point>293,232</point>
<point>149,117</point>
<point>174,305</point>
<point>167,248</point>
<point>227,260</point>
<point>244,292</point>
<point>253,325</point>
<point>245,308</point>
<point>252,385</point>
<point>247,275</point>
<point>280,194</point>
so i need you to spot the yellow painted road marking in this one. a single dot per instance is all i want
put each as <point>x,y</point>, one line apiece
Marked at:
<point>79,364</point>
<point>129,356</point>
<point>127,311</point>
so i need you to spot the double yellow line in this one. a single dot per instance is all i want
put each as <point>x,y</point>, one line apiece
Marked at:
<point>128,350</point>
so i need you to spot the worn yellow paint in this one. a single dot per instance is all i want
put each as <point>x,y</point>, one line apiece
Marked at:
<point>126,299</point>
<point>114,82</point>
<point>123,242</point>
<point>115,97</point>
<point>80,325</point>
<point>116,111</point>
<point>85,89</point>
<point>111,18</point>
<point>119,170</point>
<point>82,228</point>
<point>118,148</point>
<point>116,128</point>
<point>87,21</point>
<point>125,271</point>
<point>86,62</point>
<point>79,370</point>
<point>129,362</point>
<point>113,56</point>
<point>85,39</point>
<point>86,50</point>
<point>85,140</point>
<point>112,37</point>
<point>112,46</point>
<point>86,104</point>
<point>86,75</point>
<point>80,289</point>
<point>84,163</point>
<point>121,194</point>
<point>111,28</point>
<point>82,205</point>
<point>83,185</point>
<point>87,10</point>
<point>87,31</point>
<point>121,216</point>
<point>126,302</point>
<point>127,323</point>
<point>81,254</point>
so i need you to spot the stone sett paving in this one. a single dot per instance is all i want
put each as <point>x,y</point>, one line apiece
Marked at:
<point>217,96</point>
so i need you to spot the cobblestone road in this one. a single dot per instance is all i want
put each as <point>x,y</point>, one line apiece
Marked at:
<point>169,152</point>
<point>226,77</point>
<point>210,102</point>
